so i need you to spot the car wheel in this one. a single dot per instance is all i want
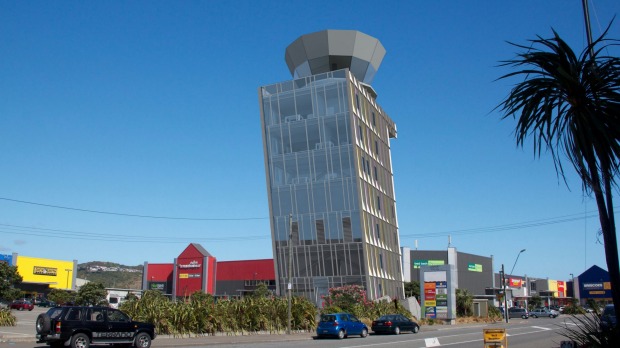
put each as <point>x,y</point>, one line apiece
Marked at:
<point>364,333</point>
<point>415,329</point>
<point>143,340</point>
<point>341,334</point>
<point>21,308</point>
<point>397,331</point>
<point>43,323</point>
<point>80,341</point>
<point>524,317</point>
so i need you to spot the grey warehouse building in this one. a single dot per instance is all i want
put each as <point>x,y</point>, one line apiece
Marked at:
<point>328,167</point>
<point>474,272</point>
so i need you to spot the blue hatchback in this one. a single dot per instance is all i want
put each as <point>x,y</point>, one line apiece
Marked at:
<point>340,325</point>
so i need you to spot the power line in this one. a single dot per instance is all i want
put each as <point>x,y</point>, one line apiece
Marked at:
<point>130,215</point>
<point>66,234</point>
<point>507,227</point>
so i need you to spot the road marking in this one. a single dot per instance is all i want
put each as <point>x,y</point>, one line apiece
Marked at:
<point>431,342</point>
<point>541,328</point>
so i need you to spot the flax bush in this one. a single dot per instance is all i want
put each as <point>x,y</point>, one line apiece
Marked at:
<point>201,314</point>
<point>6,318</point>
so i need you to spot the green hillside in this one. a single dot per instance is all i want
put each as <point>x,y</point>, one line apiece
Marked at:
<point>111,275</point>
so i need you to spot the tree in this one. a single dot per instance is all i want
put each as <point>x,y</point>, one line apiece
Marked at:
<point>9,280</point>
<point>261,291</point>
<point>464,303</point>
<point>535,302</point>
<point>91,294</point>
<point>413,289</point>
<point>60,296</point>
<point>571,104</point>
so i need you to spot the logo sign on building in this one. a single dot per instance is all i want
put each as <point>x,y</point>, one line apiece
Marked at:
<point>45,271</point>
<point>418,263</point>
<point>159,286</point>
<point>474,267</point>
<point>593,286</point>
<point>515,282</point>
<point>193,264</point>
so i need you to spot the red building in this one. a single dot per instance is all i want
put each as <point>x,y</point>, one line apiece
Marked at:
<point>197,270</point>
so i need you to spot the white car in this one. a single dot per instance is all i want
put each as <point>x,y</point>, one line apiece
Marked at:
<point>544,312</point>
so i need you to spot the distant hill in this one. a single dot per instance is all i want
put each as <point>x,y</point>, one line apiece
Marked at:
<point>111,275</point>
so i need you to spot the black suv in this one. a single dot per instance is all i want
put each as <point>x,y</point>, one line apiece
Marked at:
<point>78,327</point>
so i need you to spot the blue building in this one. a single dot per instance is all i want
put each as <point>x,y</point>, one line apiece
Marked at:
<point>593,284</point>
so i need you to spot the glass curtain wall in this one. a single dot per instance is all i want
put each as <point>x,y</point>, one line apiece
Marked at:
<point>313,165</point>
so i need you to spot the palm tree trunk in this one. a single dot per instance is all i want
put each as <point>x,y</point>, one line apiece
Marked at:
<point>611,248</point>
<point>604,203</point>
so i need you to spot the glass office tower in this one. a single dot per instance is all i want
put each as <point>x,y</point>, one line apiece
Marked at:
<point>329,173</point>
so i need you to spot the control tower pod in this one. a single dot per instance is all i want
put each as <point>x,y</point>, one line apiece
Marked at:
<point>330,50</point>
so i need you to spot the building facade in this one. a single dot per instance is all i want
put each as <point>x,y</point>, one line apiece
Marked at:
<point>329,172</point>
<point>474,272</point>
<point>41,275</point>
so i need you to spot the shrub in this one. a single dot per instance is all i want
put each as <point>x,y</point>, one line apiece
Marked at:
<point>585,331</point>
<point>6,318</point>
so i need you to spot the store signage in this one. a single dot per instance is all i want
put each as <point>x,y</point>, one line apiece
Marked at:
<point>46,271</point>
<point>160,286</point>
<point>193,264</point>
<point>597,292</point>
<point>592,285</point>
<point>474,267</point>
<point>418,263</point>
<point>515,282</point>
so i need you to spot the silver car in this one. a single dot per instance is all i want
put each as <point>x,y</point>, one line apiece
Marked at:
<point>544,312</point>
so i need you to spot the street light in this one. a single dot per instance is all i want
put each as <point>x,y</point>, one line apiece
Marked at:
<point>513,266</point>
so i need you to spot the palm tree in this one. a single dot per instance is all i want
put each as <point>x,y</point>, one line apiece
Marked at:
<point>571,104</point>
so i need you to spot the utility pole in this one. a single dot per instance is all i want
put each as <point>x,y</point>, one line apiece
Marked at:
<point>503,279</point>
<point>290,270</point>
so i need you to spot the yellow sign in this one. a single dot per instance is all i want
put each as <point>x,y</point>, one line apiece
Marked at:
<point>597,292</point>
<point>495,336</point>
<point>607,285</point>
<point>183,275</point>
<point>429,303</point>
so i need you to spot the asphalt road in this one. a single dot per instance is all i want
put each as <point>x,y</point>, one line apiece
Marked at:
<point>522,333</point>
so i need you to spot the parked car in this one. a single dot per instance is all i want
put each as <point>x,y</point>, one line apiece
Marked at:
<point>544,312</point>
<point>608,318</point>
<point>340,325</point>
<point>515,312</point>
<point>46,303</point>
<point>395,324</point>
<point>82,326</point>
<point>21,305</point>
<point>4,304</point>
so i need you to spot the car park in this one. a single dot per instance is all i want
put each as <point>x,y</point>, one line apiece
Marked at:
<point>79,327</point>
<point>340,325</point>
<point>608,318</point>
<point>516,312</point>
<point>395,324</point>
<point>544,312</point>
<point>21,305</point>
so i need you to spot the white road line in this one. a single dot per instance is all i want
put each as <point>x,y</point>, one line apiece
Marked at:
<point>542,328</point>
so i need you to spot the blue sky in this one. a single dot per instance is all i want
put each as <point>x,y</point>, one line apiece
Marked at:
<point>151,108</point>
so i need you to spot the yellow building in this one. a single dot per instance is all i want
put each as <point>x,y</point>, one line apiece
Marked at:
<point>40,275</point>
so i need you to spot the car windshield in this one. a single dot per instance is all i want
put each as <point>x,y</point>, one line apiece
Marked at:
<point>328,318</point>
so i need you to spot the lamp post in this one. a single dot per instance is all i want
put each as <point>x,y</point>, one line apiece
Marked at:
<point>513,266</point>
